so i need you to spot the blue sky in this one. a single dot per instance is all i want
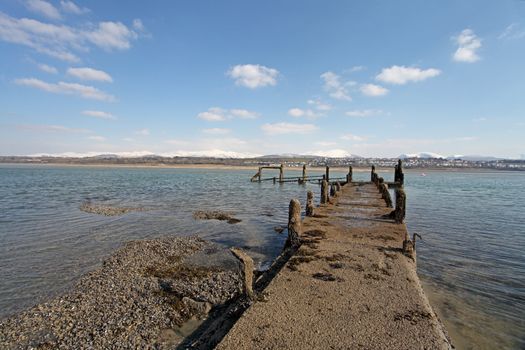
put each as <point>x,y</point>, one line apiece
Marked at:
<point>240,78</point>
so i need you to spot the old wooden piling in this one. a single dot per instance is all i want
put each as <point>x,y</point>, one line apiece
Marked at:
<point>246,272</point>
<point>399,177</point>
<point>349,175</point>
<point>337,186</point>
<point>398,214</point>
<point>294,224</point>
<point>304,172</point>
<point>332,190</point>
<point>309,203</point>
<point>324,192</point>
<point>281,173</point>
<point>327,174</point>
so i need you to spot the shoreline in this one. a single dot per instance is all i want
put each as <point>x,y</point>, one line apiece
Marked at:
<point>254,167</point>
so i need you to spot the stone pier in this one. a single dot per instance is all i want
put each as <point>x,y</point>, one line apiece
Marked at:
<point>352,284</point>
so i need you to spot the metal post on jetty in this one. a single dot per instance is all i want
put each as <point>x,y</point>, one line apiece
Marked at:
<point>294,224</point>
<point>309,203</point>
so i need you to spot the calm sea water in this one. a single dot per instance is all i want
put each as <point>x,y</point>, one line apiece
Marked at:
<point>471,259</point>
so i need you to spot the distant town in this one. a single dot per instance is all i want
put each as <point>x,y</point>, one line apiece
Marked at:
<point>290,161</point>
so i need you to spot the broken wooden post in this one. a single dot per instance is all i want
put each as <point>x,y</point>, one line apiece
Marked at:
<point>385,194</point>
<point>327,173</point>
<point>332,190</point>
<point>349,175</point>
<point>409,246</point>
<point>304,173</point>
<point>398,214</point>
<point>294,224</point>
<point>324,192</point>
<point>401,176</point>
<point>309,203</point>
<point>281,173</point>
<point>247,271</point>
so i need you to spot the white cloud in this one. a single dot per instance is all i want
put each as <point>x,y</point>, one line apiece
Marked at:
<point>43,8</point>
<point>334,153</point>
<point>336,89</point>
<point>71,7</point>
<point>355,69</point>
<point>364,113</point>
<point>112,35</point>
<point>59,41</point>
<point>217,114</point>
<point>319,105</point>
<point>373,90</point>
<point>99,114</point>
<point>468,45</point>
<point>61,87</point>
<point>51,128</point>
<point>48,69</point>
<point>307,113</point>
<point>176,142</point>
<point>214,114</point>
<point>513,31</point>
<point>253,75</point>
<point>325,143</point>
<point>288,128</point>
<point>97,138</point>
<point>142,132</point>
<point>296,112</point>
<point>352,137</point>
<point>216,131</point>
<point>89,74</point>
<point>243,114</point>
<point>138,25</point>
<point>400,75</point>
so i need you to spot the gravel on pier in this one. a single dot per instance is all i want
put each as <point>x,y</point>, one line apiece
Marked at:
<point>138,298</point>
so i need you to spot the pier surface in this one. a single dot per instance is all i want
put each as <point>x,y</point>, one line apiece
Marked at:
<point>348,286</point>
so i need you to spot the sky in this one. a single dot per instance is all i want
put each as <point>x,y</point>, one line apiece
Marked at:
<point>246,78</point>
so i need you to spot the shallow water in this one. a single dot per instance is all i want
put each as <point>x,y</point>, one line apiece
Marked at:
<point>471,258</point>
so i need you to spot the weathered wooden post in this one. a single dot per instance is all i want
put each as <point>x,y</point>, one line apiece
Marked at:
<point>372,173</point>
<point>338,186</point>
<point>327,173</point>
<point>294,224</point>
<point>401,176</point>
<point>304,173</point>
<point>247,271</point>
<point>349,175</point>
<point>385,194</point>
<point>324,192</point>
<point>400,210</point>
<point>309,203</point>
<point>332,190</point>
<point>274,179</point>
<point>281,173</point>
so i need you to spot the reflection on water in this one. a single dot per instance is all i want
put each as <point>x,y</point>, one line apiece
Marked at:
<point>471,259</point>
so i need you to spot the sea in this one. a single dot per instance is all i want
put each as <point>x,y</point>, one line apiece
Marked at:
<point>471,259</point>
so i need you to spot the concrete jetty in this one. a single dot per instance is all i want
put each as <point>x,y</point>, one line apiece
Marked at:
<point>349,285</point>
